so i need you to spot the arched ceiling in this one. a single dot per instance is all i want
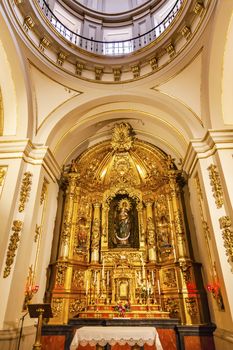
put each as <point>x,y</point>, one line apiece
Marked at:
<point>88,111</point>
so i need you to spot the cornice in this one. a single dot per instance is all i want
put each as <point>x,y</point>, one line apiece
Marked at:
<point>56,51</point>
<point>213,141</point>
<point>30,153</point>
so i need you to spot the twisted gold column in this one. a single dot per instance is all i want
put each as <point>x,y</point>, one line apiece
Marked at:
<point>150,232</point>
<point>95,233</point>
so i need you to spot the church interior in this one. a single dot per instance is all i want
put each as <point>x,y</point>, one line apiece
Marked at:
<point>116,162</point>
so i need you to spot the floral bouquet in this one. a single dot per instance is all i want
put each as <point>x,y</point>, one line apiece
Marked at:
<point>122,308</point>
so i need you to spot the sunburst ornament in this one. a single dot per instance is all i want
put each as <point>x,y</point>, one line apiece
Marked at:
<point>124,204</point>
<point>122,139</point>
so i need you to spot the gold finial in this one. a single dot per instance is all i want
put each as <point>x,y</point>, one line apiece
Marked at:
<point>122,139</point>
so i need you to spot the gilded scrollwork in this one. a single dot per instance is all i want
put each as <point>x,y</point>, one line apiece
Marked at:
<point>192,307</point>
<point>25,190</point>
<point>61,274</point>
<point>171,305</point>
<point>44,191</point>
<point>76,305</point>
<point>66,230</point>
<point>169,278</point>
<point>215,182</point>
<point>13,246</point>
<point>57,304</point>
<point>78,279</point>
<point>227,234</point>
<point>185,267</point>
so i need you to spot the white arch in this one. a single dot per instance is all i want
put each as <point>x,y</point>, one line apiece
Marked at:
<point>218,79</point>
<point>14,84</point>
<point>82,121</point>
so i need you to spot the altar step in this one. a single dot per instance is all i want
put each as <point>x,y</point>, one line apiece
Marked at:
<point>136,311</point>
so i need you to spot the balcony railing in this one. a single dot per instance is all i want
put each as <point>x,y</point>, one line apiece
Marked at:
<point>111,48</point>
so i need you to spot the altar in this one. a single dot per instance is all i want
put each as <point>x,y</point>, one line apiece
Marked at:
<point>121,336</point>
<point>123,245</point>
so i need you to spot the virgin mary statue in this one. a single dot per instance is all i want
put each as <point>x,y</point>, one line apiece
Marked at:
<point>123,222</point>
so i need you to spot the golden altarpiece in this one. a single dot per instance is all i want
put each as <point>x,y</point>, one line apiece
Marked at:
<point>121,235</point>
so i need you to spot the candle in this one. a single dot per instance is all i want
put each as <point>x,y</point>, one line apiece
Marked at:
<point>98,286</point>
<point>152,277</point>
<point>87,287</point>
<point>107,278</point>
<point>158,286</point>
<point>95,277</point>
<point>103,270</point>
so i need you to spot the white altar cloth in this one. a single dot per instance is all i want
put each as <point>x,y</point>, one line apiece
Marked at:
<point>116,335</point>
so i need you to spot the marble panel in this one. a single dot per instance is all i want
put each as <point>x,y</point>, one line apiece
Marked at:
<point>167,338</point>
<point>53,342</point>
<point>198,342</point>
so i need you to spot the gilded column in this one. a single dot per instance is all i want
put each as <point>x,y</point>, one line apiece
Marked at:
<point>177,213</point>
<point>95,237</point>
<point>141,227</point>
<point>68,214</point>
<point>150,232</point>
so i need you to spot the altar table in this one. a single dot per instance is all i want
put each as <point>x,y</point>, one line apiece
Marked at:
<point>102,336</point>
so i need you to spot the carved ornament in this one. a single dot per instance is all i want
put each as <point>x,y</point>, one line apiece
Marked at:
<point>37,233</point>
<point>2,175</point>
<point>25,190</point>
<point>227,234</point>
<point>178,221</point>
<point>192,307</point>
<point>172,306</point>
<point>185,267</point>
<point>43,191</point>
<point>78,279</point>
<point>13,246</point>
<point>169,278</point>
<point>61,273</point>
<point>76,306</point>
<point>122,139</point>
<point>57,304</point>
<point>215,182</point>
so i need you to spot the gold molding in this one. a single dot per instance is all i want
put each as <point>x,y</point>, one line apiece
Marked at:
<point>13,246</point>
<point>117,111</point>
<point>179,156</point>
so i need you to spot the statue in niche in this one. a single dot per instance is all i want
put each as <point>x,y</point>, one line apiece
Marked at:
<point>82,234</point>
<point>164,233</point>
<point>123,223</point>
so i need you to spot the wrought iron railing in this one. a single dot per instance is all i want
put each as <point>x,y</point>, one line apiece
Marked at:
<point>113,48</point>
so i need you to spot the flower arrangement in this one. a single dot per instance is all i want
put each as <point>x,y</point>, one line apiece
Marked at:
<point>122,307</point>
<point>213,288</point>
